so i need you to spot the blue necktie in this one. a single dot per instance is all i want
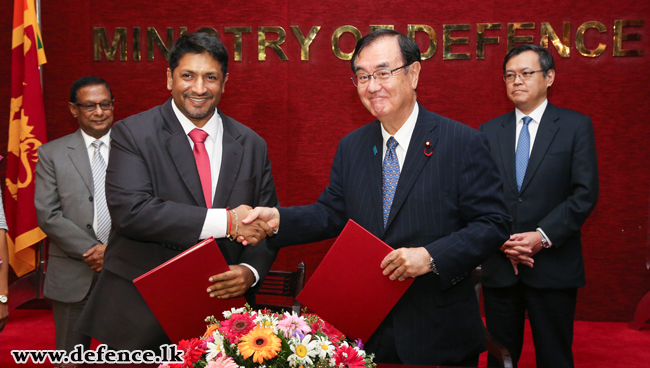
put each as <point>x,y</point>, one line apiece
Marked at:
<point>98,168</point>
<point>523,151</point>
<point>390,173</point>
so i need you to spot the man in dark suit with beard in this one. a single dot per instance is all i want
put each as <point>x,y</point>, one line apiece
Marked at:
<point>173,173</point>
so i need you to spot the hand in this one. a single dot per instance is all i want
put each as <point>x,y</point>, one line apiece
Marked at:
<point>271,216</point>
<point>403,263</point>
<point>232,283</point>
<point>94,257</point>
<point>4,315</point>
<point>521,247</point>
<point>250,232</point>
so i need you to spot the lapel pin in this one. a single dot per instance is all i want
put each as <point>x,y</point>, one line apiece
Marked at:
<point>427,146</point>
<point>374,149</point>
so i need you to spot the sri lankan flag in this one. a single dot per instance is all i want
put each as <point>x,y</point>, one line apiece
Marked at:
<point>26,134</point>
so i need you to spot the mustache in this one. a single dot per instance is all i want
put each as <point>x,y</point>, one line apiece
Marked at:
<point>192,94</point>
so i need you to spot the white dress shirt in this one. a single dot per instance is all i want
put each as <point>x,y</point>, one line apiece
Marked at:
<point>104,150</point>
<point>402,136</point>
<point>216,220</point>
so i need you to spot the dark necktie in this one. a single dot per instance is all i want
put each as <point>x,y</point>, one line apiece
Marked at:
<point>199,136</point>
<point>523,151</point>
<point>98,168</point>
<point>390,173</point>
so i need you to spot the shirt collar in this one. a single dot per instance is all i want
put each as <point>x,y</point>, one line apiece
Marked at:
<point>536,114</point>
<point>403,135</point>
<point>211,127</point>
<point>88,140</point>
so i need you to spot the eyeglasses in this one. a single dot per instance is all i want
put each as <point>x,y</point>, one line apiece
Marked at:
<point>381,75</point>
<point>510,77</point>
<point>90,107</point>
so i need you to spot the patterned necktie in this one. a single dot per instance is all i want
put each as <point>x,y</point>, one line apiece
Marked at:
<point>199,136</point>
<point>390,173</point>
<point>98,168</point>
<point>523,151</point>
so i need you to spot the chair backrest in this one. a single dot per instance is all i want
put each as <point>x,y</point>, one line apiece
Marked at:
<point>286,284</point>
<point>493,346</point>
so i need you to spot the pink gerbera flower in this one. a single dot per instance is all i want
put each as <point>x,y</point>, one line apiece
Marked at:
<point>222,362</point>
<point>348,357</point>
<point>292,323</point>
<point>237,326</point>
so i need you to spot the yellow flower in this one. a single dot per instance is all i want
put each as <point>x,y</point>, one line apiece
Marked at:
<point>261,343</point>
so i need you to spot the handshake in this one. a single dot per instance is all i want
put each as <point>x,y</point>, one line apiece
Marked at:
<point>250,226</point>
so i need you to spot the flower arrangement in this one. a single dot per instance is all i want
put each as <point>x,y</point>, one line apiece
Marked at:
<point>262,339</point>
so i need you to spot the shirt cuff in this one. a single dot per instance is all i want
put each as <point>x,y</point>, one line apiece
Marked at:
<point>257,275</point>
<point>542,233</point>
<point>215,224</point>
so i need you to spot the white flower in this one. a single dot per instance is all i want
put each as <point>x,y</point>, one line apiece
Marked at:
<point>303,351</point>
<point>325,348</point>
<point>228,314</point>
<point>267,320</point>
<point>215,347</point>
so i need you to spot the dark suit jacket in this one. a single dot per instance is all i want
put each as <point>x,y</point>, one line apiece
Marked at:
<point>156,200</point>
<point>449,202</point>
<point>559,191</point>
<point>64,207</point>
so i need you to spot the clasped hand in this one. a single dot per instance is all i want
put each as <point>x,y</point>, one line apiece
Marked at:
<point>521,248</point>
<point>248,232</point>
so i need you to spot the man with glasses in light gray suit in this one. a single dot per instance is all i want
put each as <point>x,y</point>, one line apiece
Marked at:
<point>71,206</point>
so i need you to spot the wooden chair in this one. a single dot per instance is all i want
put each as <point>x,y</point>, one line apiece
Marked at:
<point>493,346</point>
<point>286,284</point>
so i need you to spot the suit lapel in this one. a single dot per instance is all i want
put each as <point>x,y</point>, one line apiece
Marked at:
<point>548,127</point>
<point>79,157</point>
<point>425,130</point>
<point>372,151</point>
<point>181,153</point>
<point>231,158</point>
<point>507,140</point>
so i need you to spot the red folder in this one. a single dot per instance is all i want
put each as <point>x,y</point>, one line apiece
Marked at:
<point>176,292</point>
<point>349,289</point>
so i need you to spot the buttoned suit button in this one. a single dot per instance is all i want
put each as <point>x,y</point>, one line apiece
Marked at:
<point>89,226</point>
<point>90,198</point>
<point>521,200</point>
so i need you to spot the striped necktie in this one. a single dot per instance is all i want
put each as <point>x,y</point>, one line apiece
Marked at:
<point>98,167</point>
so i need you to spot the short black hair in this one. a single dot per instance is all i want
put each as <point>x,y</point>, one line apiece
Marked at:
<point>410,49</point>
<point>198,43</point>
<point>545,57</point>
<point>85,82</point>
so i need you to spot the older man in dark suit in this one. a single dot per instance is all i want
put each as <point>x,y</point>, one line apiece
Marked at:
<point>173,173</point>
<point>425,185</point>
<point>547,158</point>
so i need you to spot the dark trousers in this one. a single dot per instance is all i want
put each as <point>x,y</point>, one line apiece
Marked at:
<point>550,312</point>
<point>382,344</point>
<point>65,318</point>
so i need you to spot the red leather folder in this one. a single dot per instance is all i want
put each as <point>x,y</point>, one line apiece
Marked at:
<point>349,289</point>
<point>176,292</point>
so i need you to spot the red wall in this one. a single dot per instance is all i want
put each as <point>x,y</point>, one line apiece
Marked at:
<point>303,108</point>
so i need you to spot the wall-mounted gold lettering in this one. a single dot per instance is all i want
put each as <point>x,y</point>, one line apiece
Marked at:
<point>619,37</point>
<point>580,39</point>
<point>447,41</point>
<point>136,44</point>
<point>481,40</point>
<point>263,43</point>
<point>154,37</point>
<point>101,41</point>
<point>563,47</point>
<point>513,39</point>
<point>305,41</point>
<point>431,33</point>
<point>336,47</point>
<point>238,39</point>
